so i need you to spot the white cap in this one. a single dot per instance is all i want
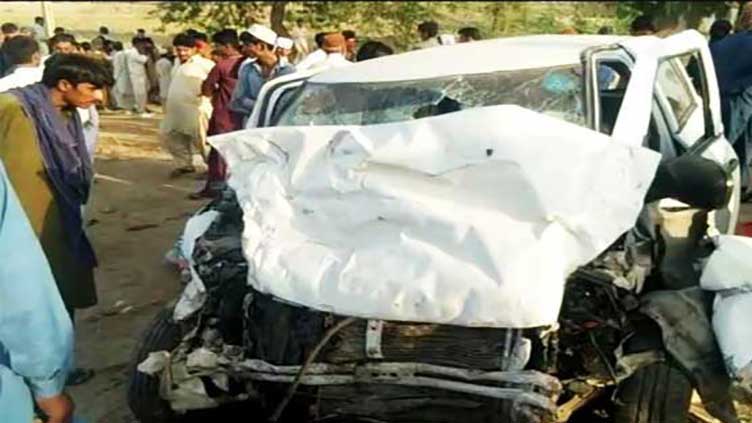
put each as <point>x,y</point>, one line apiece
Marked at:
<point>263,33</point>
<point>284,42</point>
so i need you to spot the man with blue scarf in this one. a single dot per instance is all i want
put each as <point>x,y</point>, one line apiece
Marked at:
<point>36,336</point>
<point>44,152</point>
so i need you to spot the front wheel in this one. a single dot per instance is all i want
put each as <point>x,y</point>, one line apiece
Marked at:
<point>658,393</point>
<point>143,389</point>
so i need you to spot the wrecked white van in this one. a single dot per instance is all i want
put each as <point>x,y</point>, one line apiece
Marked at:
<point>506,230</point>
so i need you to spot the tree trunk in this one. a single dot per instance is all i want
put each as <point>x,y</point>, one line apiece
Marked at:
<point>277,18</point>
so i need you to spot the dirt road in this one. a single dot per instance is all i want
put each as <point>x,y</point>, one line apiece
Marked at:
<point>137,213</point>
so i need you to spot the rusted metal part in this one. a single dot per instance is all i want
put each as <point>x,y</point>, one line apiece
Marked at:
<point>301,373</point>
<point>532,388</point>
<point>688,336</point>
<point>583,393</point>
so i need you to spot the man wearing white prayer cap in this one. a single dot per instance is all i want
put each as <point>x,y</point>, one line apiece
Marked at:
<point>284,48</point>
<point>262,46</point>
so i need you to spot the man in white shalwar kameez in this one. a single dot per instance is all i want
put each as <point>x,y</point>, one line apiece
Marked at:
<point>122,90</point>
<point>136,65</point>
<point>187,112</point>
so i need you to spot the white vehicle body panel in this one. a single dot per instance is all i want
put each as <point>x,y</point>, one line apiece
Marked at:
<point>445,219</point>
<point>409,221</point>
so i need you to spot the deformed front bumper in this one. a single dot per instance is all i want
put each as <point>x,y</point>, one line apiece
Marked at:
<point>181,375</point>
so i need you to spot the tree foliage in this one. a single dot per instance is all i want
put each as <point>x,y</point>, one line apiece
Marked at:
<point>210,16</point>
<point>396,21</point>
<point>675,14</point>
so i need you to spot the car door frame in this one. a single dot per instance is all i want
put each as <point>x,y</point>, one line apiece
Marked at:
<point>270,94</point>
<point>634,115</point>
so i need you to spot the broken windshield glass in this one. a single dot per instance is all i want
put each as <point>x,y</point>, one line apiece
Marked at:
<point>554,91</point>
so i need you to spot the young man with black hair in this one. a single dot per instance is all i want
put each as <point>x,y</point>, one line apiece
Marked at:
<point>351,42</point>
<point>43,147</point>
<point>315,57</point>
<point>103,38</point>
<point>62,43</point>
<point>202,45</point>
<point>23,57</point>
<point>428,32</point>
<point>187,111</point>
<point>135,60</point>
<point>40,34</point>
<point>372,50</point>
<point>9,30</point>
<point>122,93</point>
<point>253,76</point>
<point>469,34</point>
<point>219,86</point>
<point>164,73</point>
<point>39,27</point>
<point>642,25</point>
<point>299,36</point>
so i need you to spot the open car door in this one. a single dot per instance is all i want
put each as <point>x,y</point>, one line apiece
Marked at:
<point>671,104</point>
<point>674,87</point>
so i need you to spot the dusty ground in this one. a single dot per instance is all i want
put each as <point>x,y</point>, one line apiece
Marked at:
<point>132,191</point>
<point>137,214</point>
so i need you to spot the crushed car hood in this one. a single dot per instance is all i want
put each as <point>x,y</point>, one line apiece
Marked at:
<point>473,218</point>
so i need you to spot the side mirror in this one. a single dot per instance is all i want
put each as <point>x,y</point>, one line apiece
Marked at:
<point>691,179</point>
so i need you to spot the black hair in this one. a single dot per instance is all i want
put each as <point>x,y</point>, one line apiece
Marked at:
<point>606,30</point>
<point>226,37</point>
<point>200,36</point>
<point>141,30</point>
<point>719,30</point>
<point>642,23</point>
<point>62,38</point>
<point>39,20</point>
<point>77,69</point>
<point>86,46</point>
<point>19,50</point>
<point>59,30</point>
<point>104,30</point>
<point>117,46</point>
<point>184,40</point>
<point>470,32</point>
<point>245,37</point>
<point>255,40</point>
<point>429,28</point>
<point>319,38</point>
<point>372,50</point>
<point>348,34</point>
<point>8,28</point>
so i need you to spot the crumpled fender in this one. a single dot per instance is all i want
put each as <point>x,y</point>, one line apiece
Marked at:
<point>684,319</point>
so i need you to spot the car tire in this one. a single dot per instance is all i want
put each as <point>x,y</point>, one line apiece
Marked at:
<point>658,393</point>
<point>143,389</point>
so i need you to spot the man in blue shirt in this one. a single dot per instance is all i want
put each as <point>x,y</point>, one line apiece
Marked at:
<point>255,74</point>
<point>733,68</point>
<point>36,335</point>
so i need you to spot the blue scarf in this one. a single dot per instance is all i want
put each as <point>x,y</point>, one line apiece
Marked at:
<point>66,162</point>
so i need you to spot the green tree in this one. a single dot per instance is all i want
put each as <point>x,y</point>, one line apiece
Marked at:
<point>674,14</point>
<point>209,16</point>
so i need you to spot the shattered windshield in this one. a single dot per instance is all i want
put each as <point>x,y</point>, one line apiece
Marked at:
<point>554,91</point>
